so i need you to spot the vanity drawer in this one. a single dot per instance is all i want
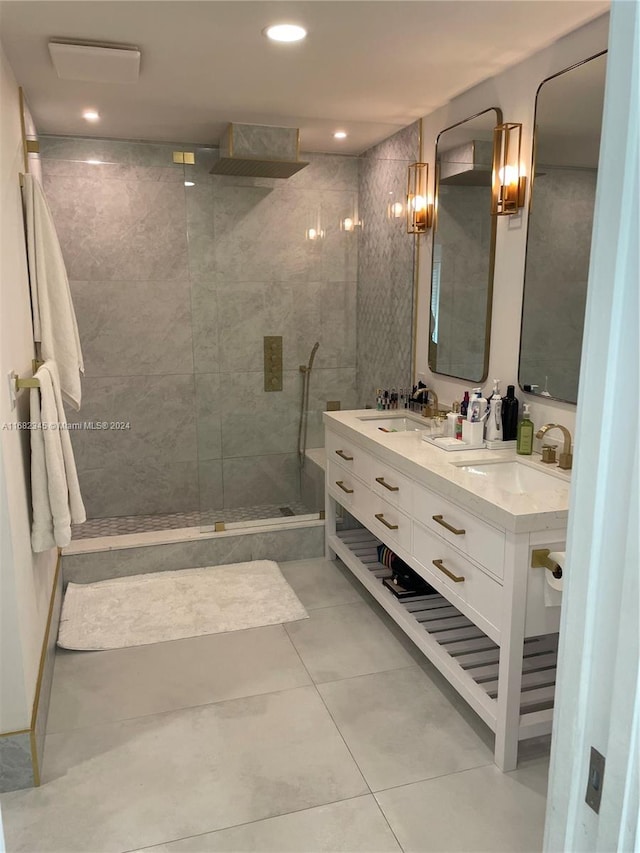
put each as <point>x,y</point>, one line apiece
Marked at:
<point>473,537</point>
<point>392,486</point>
<point>348,455</point>
<point>388,522</point>
<point>347,489</point>
<point>464,584</point>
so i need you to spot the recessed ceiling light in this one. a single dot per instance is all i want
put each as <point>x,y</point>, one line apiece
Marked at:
<point>189,183</point>
<point>285,32</point>
<point>91,115</point>
<point>340,134</point>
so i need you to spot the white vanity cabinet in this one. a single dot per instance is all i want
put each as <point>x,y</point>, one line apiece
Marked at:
<point>488,629</point>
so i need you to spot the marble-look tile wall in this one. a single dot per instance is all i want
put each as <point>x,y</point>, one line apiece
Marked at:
<point>558,249</point>
<point>175,288</point>
<point>385,267</point>
<point>461,273</point>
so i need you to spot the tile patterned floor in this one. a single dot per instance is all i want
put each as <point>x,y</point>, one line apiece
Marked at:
<point>328,734</point>
<point>95,527</point>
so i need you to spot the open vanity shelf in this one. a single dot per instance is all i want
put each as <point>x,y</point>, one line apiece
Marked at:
<point>457,647</point>
<point>490,628</point>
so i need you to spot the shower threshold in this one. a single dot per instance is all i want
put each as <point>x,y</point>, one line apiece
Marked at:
<point>94,528</point>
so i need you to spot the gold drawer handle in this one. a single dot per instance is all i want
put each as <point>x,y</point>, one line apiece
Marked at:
<point>440,520</point>
<point>380,517</point>
<point>386,485</point>
<point>454,578</point>
<point>340,485</point>
<point>343,455</point>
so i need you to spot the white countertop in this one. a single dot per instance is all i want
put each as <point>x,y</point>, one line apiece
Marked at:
<point>541,509</point>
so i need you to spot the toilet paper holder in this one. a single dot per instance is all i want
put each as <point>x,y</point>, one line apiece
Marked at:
<point>540,560</point>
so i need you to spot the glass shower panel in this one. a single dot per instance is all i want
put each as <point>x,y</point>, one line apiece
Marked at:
<point>273,271</point>
<point>119,209</point>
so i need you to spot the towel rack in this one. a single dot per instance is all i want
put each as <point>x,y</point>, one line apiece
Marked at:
<point>26,383</point>
<point>32,382</point>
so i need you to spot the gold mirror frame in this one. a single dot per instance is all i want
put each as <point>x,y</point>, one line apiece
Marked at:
<point>491,265</point>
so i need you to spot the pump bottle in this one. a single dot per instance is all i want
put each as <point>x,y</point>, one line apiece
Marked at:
<point>494,421</point>
<point>524,446</point>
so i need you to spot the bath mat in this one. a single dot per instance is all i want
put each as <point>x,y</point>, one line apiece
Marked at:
<point>154,608</point>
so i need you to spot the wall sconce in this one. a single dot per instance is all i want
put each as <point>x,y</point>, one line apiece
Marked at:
<point>419,210</point>
<point>509,184</point>
<point>348,224</point>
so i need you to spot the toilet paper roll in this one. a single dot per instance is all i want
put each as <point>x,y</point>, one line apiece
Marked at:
<point>553,586</point>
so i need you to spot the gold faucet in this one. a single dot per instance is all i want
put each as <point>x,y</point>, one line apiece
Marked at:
<point>566,457</point>
<point>428,411</point>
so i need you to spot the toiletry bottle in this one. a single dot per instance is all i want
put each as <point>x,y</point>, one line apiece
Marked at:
<point>510,415</point>
<point>477,407</point>
<point>494,421</point>
<point>464,405</point>
<point>458,428</point>
<point>379,399</point>
<point>524,446</point>
<point>482,401</point>
<point>452,420</point>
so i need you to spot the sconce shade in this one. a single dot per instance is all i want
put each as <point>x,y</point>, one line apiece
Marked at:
<point>508,184</point>
<point>419,210</point>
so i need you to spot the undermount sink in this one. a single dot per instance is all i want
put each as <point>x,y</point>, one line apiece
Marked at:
<point>399,423</point>
<point>513,476</point>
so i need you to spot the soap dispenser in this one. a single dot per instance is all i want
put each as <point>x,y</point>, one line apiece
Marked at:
<point>494,421</point>
<point>524,446</point>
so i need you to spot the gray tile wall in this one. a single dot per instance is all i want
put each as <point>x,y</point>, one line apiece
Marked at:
<point>174,289</point>
<point>385,268</point>
<point>558,249</point>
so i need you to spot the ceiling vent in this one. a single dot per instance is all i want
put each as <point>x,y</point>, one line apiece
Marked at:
<point>259,151</point>
<point>95,63</point>
<point>467,165</point>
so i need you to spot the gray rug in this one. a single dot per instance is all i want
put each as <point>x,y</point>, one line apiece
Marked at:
<point>154,608</point>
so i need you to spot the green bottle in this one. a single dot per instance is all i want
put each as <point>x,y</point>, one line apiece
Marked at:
<point>524,445</point>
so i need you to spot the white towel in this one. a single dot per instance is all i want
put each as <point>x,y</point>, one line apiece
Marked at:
<point>55,491</point>
<point>54,320</point>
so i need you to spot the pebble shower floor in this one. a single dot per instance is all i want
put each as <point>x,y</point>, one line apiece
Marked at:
<point>117,526</point>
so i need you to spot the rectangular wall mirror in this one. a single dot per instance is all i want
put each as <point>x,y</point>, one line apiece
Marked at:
<point>568,122</point>
<point>464,234</point>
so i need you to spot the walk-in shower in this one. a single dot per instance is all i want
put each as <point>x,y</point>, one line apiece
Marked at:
<point>178,275</point>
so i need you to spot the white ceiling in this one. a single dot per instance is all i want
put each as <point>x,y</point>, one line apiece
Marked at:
<point>369,67</point>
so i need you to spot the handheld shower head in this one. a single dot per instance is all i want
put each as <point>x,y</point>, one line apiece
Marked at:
<point>313,354</point>
<point>306,368</point>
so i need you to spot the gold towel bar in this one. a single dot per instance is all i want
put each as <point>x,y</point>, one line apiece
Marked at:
<point>26,383</point>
